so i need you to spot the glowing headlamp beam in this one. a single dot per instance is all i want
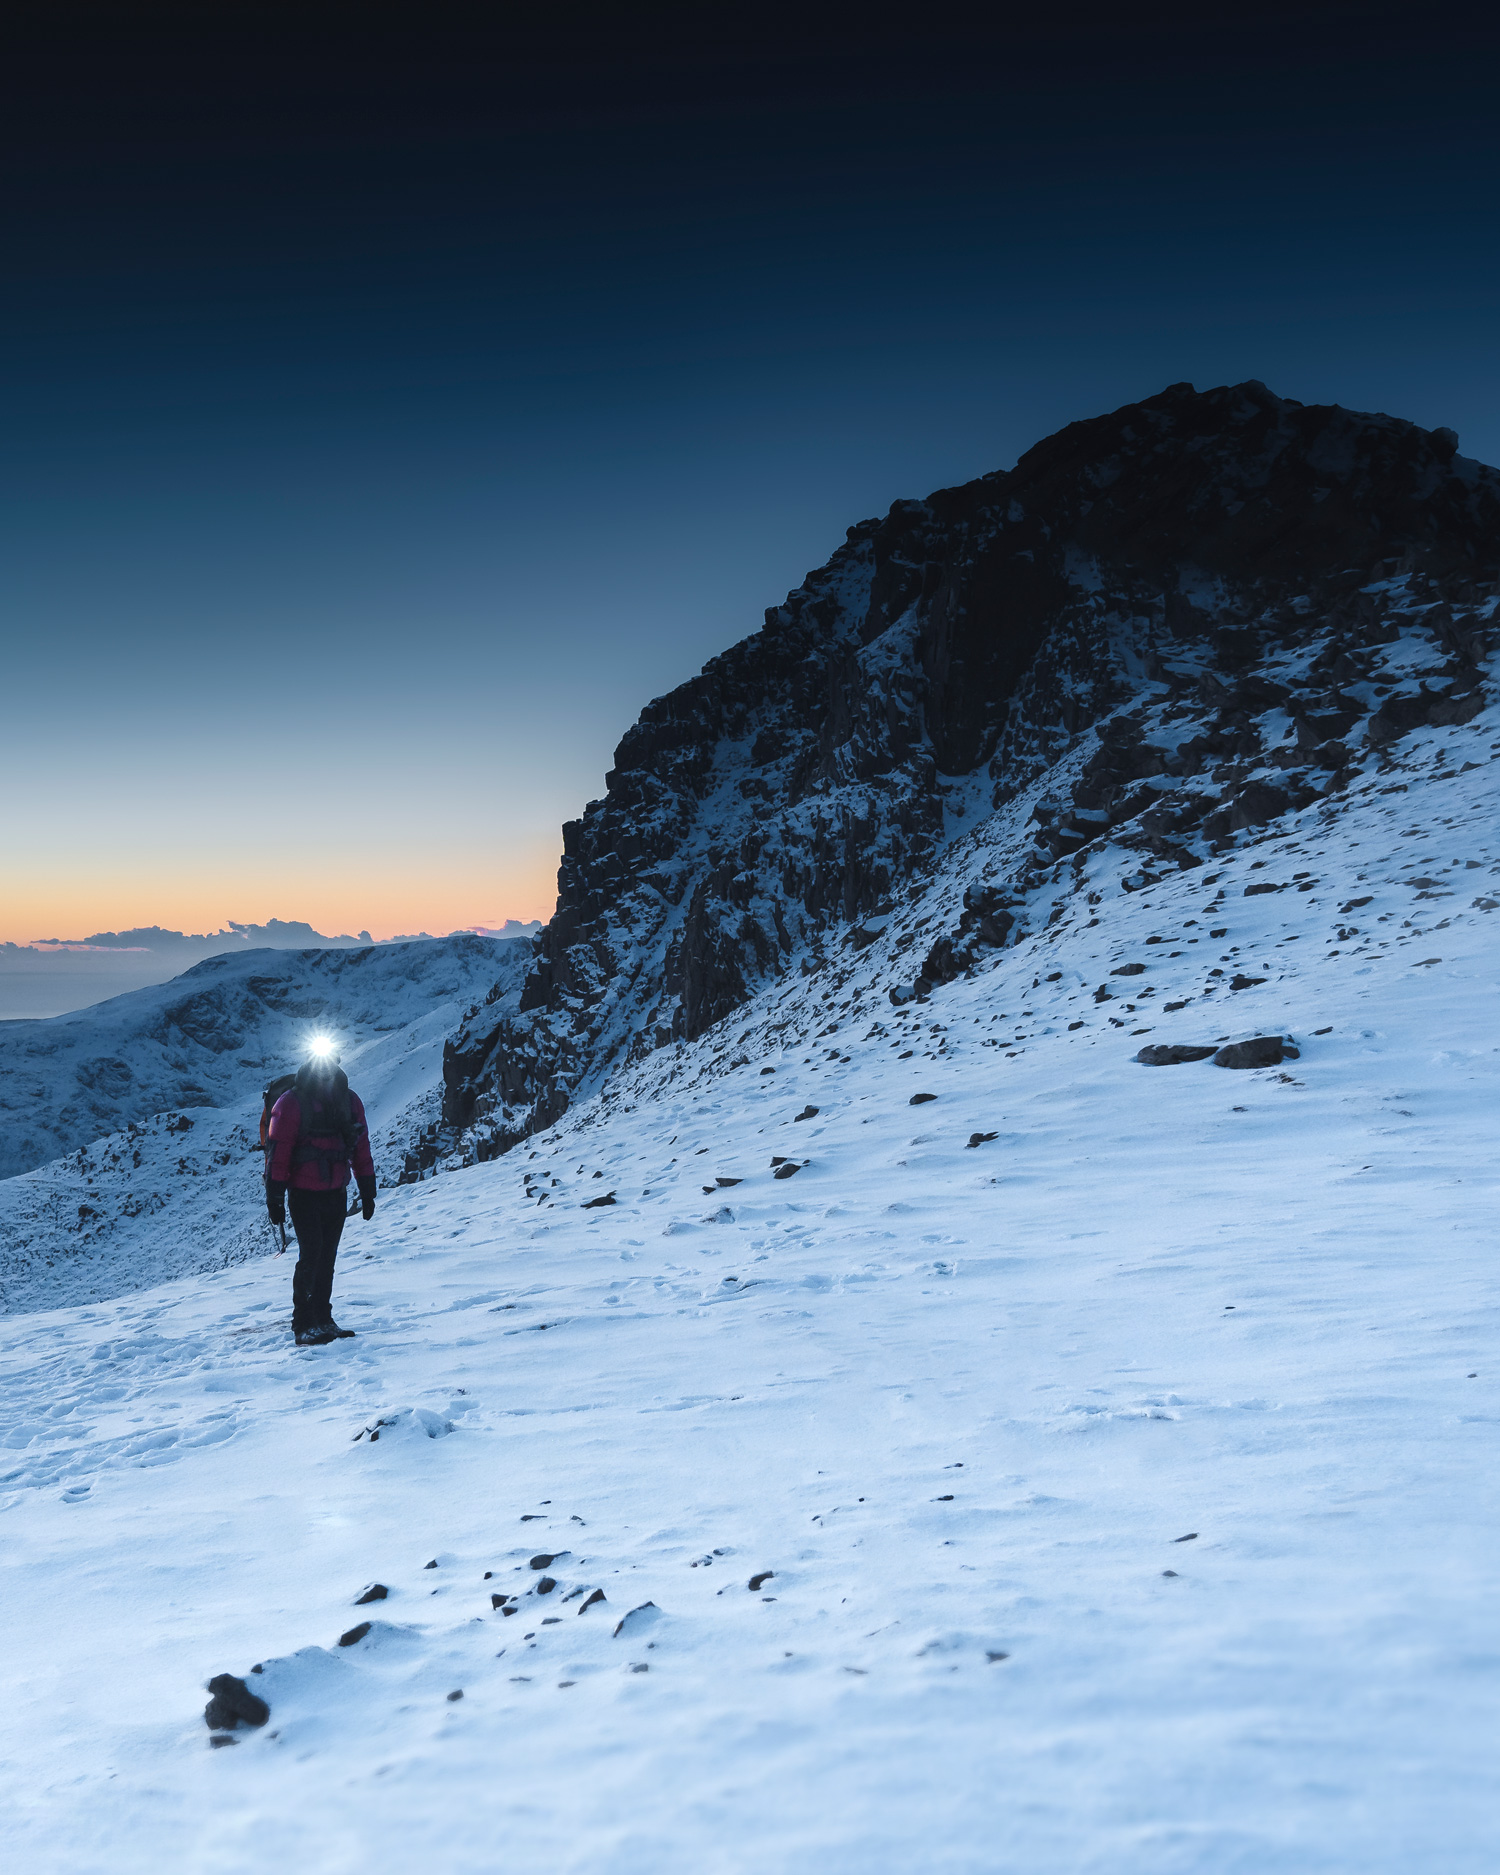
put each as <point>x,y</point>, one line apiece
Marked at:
<point>320,1047</point>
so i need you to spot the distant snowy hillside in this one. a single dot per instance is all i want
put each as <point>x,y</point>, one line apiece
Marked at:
<point>211,1037</point>
<point>165,1085</point>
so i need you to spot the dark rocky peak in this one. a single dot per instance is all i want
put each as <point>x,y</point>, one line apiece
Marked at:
<point>1222,561</point>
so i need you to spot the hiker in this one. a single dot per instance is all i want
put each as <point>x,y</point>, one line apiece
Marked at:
<point>317,1130</point>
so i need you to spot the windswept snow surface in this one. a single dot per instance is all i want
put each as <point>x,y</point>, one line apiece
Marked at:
<point>1124,1480</point>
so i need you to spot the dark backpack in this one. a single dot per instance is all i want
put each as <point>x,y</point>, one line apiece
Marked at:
<point>268,1100</point>
<point>335,1121</point>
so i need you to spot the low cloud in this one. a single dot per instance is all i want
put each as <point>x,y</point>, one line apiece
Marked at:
<point>50,976</point>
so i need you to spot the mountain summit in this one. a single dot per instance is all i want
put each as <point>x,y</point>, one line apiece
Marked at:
<point>1229,557</point>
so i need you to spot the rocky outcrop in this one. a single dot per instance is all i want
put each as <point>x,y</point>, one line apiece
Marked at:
<point>950,654</point>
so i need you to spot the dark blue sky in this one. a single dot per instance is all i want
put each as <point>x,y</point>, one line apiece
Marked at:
<point>396,399</point>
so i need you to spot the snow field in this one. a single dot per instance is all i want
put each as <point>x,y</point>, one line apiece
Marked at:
<point>962,1402</point>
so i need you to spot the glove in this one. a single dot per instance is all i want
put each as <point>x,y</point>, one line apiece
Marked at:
<point>276,1203</point>
<point>367,1198</point>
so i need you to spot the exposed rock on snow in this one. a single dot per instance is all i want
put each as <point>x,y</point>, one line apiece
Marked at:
<point>232,1703</point>
<point>1262,1051</point>
<point>1162,628</point>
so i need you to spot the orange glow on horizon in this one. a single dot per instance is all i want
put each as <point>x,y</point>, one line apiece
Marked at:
<point>421,893</point>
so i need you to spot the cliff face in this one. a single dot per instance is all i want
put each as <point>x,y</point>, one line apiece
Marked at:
<point>943,660</point>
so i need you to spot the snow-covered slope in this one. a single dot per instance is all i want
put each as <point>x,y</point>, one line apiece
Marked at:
<point>174,1075</point>
<point>1117,1438</point>
<point>881,1421</point>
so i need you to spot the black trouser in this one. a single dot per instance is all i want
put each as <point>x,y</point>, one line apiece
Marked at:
<point>318,1219</point>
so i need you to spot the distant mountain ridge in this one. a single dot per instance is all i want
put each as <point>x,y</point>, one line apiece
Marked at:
<point>949,657</point>
<point>210,1037</point>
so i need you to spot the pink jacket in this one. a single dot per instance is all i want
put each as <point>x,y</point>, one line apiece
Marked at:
<point>309,1160</point>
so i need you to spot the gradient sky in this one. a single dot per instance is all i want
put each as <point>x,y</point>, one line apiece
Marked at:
<point>395,399</point>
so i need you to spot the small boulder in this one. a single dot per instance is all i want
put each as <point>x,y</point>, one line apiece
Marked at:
<point>594,1203</point>
<point>643,1617</point>
<point>920,1100</point>
<point>354,1635</point>
<point>1170,1054</point>
<point>1128,970</point>
<point>235,1697</point>
<point>1261,889</point>
<point>807,1113</point>
<point>981,1139</point>
<point>597,1596</point>
<point>542,1562</point>
<point>759,1581</point>
<point>1262,1051</point>
<point>1241,982</point>
<point>376,1592</point>
<point>789,1170</point>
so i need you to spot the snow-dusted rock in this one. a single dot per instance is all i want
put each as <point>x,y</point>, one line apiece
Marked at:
<point>1168,627</point>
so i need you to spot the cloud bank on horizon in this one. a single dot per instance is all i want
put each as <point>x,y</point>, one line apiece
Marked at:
<point>50,976</point>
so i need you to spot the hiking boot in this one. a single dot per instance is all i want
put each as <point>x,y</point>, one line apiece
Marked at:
<point>312,1336</point>
<point>333,1332</point>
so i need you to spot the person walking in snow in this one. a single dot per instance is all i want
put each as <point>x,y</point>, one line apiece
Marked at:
<point>317,1132</point>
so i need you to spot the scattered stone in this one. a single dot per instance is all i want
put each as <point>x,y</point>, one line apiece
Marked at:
<point>768,1070</point>
<point>1169,1572</point>
<point>727,1182</point>
<point>597,1596</point>
<point>993,1655</point>
<point>1222,931</point>
<point>457,1693</point>
<point>1262,1051</point>
<point>1261,888</point>
<point>544,1562</point>
<point>756,1581</point>
<point>638,1618</point>
<point>789,1170</point>
<point>234,1697</point>
<point>1191,1537</point>
<point>222,1738</point>
<point>920,1100</point>
<point>430,1565</point>
<point>1171,1054</point>
<point>1167,1008</point>
<point>1244,983</point>
<point>981,1139</point>
<point>1075,1025</point>
<point>1128,970</point>
<point>638,1666</point>
<point>1423,962</point>
<point>546,1585</point>
<point>594,1203</point>
<point>355,1635</point>
<point>807,1113</point>
<point>376,1592</point>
